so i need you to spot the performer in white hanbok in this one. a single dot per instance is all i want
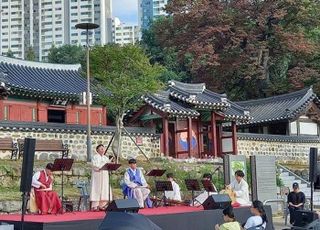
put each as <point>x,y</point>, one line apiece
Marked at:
<point>175,193</point>
<point>241,189</point>
<point>99,194</point>
<point>135,185</point>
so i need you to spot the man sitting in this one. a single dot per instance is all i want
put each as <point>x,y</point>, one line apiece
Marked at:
<point>135,185</point>
<point>47,200</point>
<point>241,188</point>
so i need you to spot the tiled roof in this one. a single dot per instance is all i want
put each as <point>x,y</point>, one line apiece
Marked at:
<point>68,128</point>
<point>197,95</point>
<point>42,79</point>
<point>281,107</point>
<point>187,100</point>
<point>278,138</point>
<point>162,102</point>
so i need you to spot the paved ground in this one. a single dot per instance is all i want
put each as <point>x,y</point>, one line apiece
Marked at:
<point>278,223</point>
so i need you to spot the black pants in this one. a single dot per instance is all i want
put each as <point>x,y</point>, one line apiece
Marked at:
<point>292,211</point>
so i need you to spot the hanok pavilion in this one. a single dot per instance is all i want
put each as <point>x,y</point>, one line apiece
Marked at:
<point>190,119</point>
<point>42,92</point>
<point>292,114</point>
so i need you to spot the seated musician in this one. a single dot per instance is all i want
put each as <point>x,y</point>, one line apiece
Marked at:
<point>204,195</point>
<point>47,201</point>
<point>175,193</point>
<point>241,189</point>
<point>135,185</point>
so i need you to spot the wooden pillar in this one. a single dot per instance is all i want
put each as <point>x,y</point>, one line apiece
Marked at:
<point>234,138</point>
<point>214,134</point>
<point>165,129</point>
<point>189,136</point>
<point>199,140</point>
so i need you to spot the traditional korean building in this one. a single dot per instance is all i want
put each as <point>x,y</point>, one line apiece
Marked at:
<point>43,92</point>
<point>190,120</point>
<point>293,114</point>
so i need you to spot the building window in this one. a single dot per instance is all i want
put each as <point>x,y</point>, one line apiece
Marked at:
<point>56,116</point>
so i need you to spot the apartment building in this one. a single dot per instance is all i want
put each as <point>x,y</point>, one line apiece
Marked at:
<point>124,34</point>
<point>148,10</point>
<point>41,24</point>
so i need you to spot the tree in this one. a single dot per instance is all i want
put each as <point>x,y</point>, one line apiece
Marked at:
<point>246,48</point>
<point>162,55</point>
<point>10,54</point>
<point>126,72</point>
<point>30,54</point>
<point>67,54</point>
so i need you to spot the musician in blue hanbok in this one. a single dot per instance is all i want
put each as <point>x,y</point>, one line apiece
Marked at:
<point>135,185</point>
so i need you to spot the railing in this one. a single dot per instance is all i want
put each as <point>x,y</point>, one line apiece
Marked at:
<point>284,205</point>
<point>293,174</point>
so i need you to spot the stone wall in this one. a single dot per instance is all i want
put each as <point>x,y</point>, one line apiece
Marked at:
<point>150,144</point>
<point>284,151</point>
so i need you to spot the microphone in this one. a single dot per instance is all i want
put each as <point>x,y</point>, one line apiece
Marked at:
<point>217,169</point>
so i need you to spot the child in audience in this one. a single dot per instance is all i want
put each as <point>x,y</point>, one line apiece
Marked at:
<point>229,219</point>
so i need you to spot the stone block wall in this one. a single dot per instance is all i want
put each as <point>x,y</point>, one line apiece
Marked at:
<point>77,143</point>
<point>283,151</point>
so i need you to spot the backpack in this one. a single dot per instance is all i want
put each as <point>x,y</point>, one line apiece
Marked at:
<point>258,227</point>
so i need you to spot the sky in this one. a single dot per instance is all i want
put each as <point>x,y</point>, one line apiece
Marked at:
<point>126,11</point>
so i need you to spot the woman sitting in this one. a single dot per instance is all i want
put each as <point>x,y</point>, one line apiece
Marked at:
<point>259,219</point>
<point>229,219</point>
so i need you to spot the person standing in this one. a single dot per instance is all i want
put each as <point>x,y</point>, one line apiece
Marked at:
<point>241,188</point>
<point>99,195</point>
<point>296,200</point>
<point>135,185</point>
<point>47,201</point>
<point>175,193</point>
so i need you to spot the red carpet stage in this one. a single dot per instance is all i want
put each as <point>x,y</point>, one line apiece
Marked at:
<point>168,218</point>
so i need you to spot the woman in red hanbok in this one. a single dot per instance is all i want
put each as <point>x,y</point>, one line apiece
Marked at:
<point>48,201</point>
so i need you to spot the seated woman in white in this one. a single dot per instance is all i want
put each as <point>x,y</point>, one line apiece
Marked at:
<point>175,193</point>
<point>259,218</point>
<point>241,189</point>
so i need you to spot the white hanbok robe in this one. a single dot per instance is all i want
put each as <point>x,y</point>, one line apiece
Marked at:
<point>175,193</point>
<point>99,179</point>
<point>242,192</point>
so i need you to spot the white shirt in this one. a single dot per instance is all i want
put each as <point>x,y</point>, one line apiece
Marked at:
<point>35,179</point>
<point>175,193</point>
<point>254,221</point>
<point>242,191</point>
<point>131,184</point>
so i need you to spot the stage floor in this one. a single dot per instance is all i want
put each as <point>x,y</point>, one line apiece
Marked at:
<point>169,218</point>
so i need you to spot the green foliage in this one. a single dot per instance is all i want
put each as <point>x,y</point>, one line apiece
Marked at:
<point>67,54</point>
<point>30,54</point>
<point>10,54</point>
<point>127,74</point>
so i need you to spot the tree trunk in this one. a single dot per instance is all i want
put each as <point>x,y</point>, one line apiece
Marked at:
<point>116,144</point>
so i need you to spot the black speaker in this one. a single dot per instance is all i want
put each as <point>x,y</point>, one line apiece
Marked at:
<point>313,171</point>
<point>27,164</point>
<point>123,205</point>
<point>217,201</point>
<point>303,218</point>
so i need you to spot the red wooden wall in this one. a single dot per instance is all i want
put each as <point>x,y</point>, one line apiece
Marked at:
<point>37,111</point>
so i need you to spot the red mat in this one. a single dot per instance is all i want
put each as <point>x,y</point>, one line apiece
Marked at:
<point>75,216</point>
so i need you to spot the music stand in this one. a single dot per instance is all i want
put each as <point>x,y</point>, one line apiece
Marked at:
<point>192,185</point>
<point>208,186</point>
<point>156,173</point>
<point>163,186</point>
<point>110,167</point>
<point>62,165</point>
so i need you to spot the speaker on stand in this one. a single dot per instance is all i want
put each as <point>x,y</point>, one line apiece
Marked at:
<point>26,174</point>
<point>313,171</point>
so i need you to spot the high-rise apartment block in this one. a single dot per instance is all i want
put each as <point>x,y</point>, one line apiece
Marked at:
<point>149,10</point>
<point>124,34</point>
<point>41,24</point>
